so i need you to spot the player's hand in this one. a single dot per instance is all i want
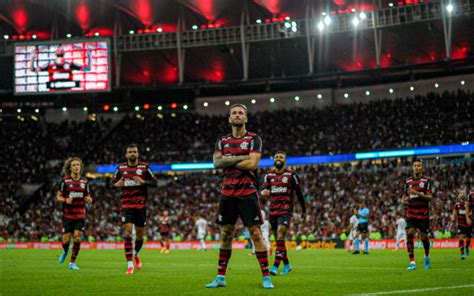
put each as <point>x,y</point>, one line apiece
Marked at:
<point>120,183</point>
<point>469,221</point>
<point>139,180</point>
<point>404,200</point>
<point>413,191</point>
<point>88,199</point>
<point>265,193</point>
<point>69,200</point>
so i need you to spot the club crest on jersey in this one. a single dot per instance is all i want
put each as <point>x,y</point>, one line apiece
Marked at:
<point>284,180</point>
<point>244,145</point>
<point>82,185</point>
<point>422,185</point>
<point>139,172</point>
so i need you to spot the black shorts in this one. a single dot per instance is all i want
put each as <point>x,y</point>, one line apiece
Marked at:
<point>164,235</point>
<point>247,207</point>
<point>69,225</point>
<point>134,216</point>
<point>421,224</point>
<point>280,220</point>
<point>467,231</point>
<point>363,227</point>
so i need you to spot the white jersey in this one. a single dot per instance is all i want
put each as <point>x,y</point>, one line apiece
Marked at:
<point>354,222</point>
<point>201,225</point>
<point>401,225</point>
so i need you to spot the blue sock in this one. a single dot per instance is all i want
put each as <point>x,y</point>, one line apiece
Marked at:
<point>357,244</point>
<point>366,242</point>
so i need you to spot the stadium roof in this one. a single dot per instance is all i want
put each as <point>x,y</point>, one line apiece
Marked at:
<point>410,44</point>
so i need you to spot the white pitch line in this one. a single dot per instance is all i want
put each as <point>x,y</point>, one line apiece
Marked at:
<point>415,290</point>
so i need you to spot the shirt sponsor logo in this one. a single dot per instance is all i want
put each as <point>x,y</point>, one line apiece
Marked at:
<point>75,194</point>
<point>131,182</point>
<point>278,189</point>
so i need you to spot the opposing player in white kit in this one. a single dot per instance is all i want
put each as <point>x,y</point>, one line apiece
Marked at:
<point>354,222</point>
<point>401,231</point>
<point>201,226</point>
<point>265,227</point>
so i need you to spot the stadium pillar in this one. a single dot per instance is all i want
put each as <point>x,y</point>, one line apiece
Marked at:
<point>447,25</point>
<point>377,33</point>
<point>117,54</point>
<point>245,46</point>
<point>180,50</point>
<point>309,39</point>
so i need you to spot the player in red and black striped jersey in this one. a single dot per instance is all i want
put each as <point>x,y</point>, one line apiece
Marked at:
<point>238,155</point>
<point>165,232</point>
<point>470,206</point>
<point>133,177</point>
<point>462,212</point>
<point>281,184</point>
<point>73,193</point>
<point>417,197</point>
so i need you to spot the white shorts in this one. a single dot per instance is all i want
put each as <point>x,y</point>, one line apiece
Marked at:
<point>201,235</point>
<point>352,234</point>
<point>401,236</point>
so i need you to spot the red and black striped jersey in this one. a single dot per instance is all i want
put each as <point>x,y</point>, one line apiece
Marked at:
<point>418,208</point>
<point>77,190</point>
<point>237,182</point>
<point>134,194</point>
<point>470,199</point>
<point>282,188</point>
<point>164,224</point>
<point>460,208</point>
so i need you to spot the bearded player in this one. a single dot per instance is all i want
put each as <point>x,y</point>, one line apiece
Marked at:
<point>461,213</point>
<point>417,197</point>
<point>133,178</point>
<point>280,185</point>
<point>238,155</point>
<point>165,232</point>
<point>73,193</point>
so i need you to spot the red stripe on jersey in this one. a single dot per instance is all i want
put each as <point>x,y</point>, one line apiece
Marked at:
<point>133,206</point>
<point>74,217</point>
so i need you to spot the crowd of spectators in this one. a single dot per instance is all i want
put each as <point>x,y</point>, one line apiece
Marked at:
<point>331,193</point>
<point>420,121</point>
<point>29,146</point>
<point>34,150</point>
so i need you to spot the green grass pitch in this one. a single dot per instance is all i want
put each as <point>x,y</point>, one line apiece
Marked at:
<point>315,272</point>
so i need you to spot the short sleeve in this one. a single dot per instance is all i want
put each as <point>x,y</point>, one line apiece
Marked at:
<point>296,180</point>
<point>429,186</point>
<point>265,184</point>
<point>150,173</point>
<point>218,146</point>
<point>62,187</point>
<point>256,145</point>
<point>117,175</point>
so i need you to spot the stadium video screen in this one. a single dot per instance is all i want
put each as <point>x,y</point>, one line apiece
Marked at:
<point>62,67</point>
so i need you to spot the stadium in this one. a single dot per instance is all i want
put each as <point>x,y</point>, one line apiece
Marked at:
<point>194,147</point>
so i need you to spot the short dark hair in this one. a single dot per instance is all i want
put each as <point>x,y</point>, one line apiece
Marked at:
<point>239,105</point>
<point>132,145</point>
<point>417,160</point>
<point>280,152</point>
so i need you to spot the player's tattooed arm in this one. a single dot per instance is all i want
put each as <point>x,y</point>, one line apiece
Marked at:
<point>250,164</point>
<point>222,162</point>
